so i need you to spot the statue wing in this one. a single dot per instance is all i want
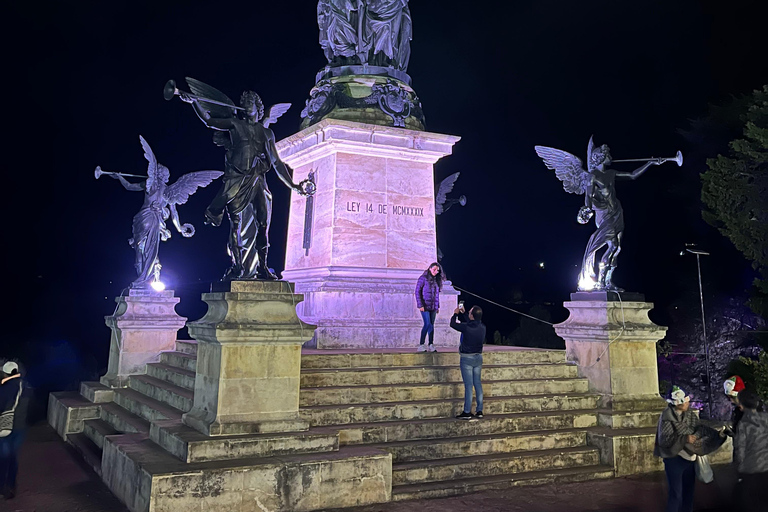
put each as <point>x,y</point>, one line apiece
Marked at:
<point>275,111</point>
<point>204,90</point>
<point>568,168</point>
<point>443,190</point>
<point>179,192</point>
<point>152,159</point>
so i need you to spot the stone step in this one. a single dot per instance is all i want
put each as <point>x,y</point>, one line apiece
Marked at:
<point>181,360</point>
<point>418,450</point>
<point>430,374</point>
<point>190,445</point>
<point>493,465</point>
<point>470,485</point>
<point>170,394</point>
<point>172,374</point>
<point>347,395</point>
<point>144,406</point>
<point>385,432</point>
<point>95,430</point>
<point>311,359</point>
<point>87,449</point>
<point>325,415</point>
<point>187,347</point>
<point>123,420</point>
<point>146,477</point>
<point>67,411</point>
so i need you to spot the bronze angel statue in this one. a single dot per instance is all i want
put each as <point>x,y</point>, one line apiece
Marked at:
<point>443,202</point>
<point>597,183</point>
<point>160,201</point>
<point>250,153</point>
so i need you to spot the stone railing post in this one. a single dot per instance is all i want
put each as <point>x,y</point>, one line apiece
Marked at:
<point>613,342</point>
<point>144,324</point>
<point>248,360</point>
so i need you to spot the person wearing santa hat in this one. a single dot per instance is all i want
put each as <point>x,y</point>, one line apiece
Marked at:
<point>732,386</point>
<point>676,428</point>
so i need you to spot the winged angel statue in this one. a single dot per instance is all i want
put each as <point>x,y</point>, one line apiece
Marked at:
<point>160,201</point>
<point>597,183</point>
<point>443,202</point>
<point>250,153</point>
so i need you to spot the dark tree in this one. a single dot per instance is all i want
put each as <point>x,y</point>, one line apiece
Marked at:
<point>735,195</point>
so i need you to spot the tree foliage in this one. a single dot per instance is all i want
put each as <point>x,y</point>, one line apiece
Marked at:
<point>735,194</point>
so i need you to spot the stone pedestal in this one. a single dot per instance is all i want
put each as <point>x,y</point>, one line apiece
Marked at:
<point>357,247</point>
<point>144,325</point>
<point>613,342</point>
<point>248,360</point>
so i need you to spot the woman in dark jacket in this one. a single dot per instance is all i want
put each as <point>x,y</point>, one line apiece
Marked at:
<point>428,301</point>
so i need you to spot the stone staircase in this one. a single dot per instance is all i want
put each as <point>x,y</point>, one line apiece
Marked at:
<point>537,416</point>
<point>378,406</point>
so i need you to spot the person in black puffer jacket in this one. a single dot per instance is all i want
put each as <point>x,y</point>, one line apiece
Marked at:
<point>470,357</point>
<point>13,404</point>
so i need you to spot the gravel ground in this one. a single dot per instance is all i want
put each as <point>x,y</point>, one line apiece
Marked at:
<point>53,478</point>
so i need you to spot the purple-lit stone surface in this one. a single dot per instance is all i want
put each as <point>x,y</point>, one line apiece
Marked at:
<point>373,232</point>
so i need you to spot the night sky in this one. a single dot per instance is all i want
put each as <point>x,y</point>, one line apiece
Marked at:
<point>83,79</point>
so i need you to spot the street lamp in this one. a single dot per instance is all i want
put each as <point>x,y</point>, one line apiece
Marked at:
<point>699,253</point>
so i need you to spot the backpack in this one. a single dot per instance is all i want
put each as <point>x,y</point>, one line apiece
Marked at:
<point>6,417</point>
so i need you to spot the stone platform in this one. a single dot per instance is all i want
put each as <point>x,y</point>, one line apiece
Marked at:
<point>381,428</point>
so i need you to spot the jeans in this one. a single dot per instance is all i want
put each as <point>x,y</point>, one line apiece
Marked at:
<point>429,326</point>
<point>9,462</point>
<point>471,365</point>
<point>681,477</point>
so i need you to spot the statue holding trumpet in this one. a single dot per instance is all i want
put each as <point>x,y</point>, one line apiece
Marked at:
<point>597,183</point>
<point>250,153</point>
<point>160,200</point>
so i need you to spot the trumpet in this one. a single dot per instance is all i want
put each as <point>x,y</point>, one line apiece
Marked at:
<point>98,173</point>
<point>170,90</point>
<point>678,158</point>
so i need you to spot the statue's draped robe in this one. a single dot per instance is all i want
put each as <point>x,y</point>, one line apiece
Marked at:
<point>237,196</point>
<point>609,219</point>
<point>147,226</point>
<point>338,28</point>
<point>388,30</point>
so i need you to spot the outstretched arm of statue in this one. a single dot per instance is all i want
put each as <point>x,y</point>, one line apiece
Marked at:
<point>637,172</point>
<point>186,230</point>
<point>216,123</point>
<point>127,185</point>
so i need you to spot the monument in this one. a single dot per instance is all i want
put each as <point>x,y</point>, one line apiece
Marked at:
<point>144,322</point>
<point>357,247</point>
<point>608,333</point>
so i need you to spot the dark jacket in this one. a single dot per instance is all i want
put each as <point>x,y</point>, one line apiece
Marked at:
<point>472,334</point>
<point>750,444</point>
<point>427,292</point>
<point>672,431</point>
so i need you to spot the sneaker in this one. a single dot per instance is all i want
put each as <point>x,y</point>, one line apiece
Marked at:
<point>431,348</point>
<point>464,416</point>
<point>479,414</point>
<point>421,348</point>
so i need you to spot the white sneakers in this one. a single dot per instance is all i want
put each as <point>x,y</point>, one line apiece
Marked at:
<point>431,348</point>
<point>426,348</point>
<point>422,348</point>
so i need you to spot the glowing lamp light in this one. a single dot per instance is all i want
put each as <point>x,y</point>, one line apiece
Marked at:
<point>158,286</point>
<point>541,264</point>
<point>587,283</point>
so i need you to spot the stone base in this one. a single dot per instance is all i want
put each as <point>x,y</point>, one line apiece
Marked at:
<point>144,477</point>
<point>248,360</point>
<point>144,325</point>
<point>368,308</point>
<point>628,451</point>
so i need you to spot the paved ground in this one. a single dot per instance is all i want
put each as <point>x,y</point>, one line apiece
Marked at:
<point>52,478</point>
